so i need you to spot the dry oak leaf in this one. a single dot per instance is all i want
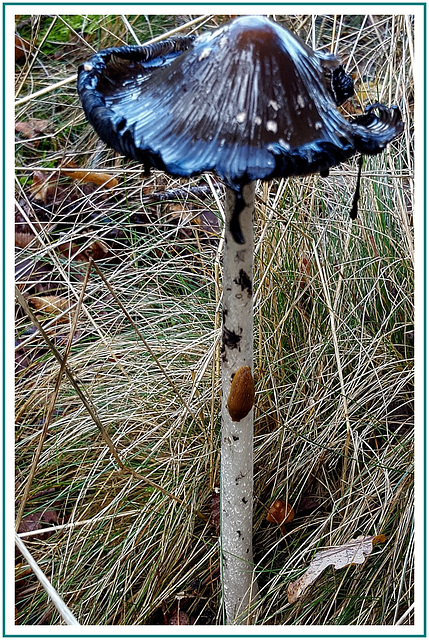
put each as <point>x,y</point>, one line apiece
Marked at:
<point>36,521</point>
<point>97,250</point>
<point>352,552</point>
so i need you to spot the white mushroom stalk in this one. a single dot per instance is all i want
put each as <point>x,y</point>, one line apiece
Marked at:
<point>236,500</point>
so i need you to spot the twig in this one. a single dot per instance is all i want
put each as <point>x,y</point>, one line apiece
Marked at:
<point>57,601</point>
<point>53,400</point>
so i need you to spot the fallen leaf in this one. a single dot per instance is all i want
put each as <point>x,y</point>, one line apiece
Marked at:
<point>22,240</point>
<point>44,187</point>
<point>29,523</point>
<point>21,47</point>
<point>352,108</point>
<point>96,177</point>
<point>68,200</point>
<point>308,503</point>
<point>35,275</point>
<point>179,618</point>
<point>72,251</point>
<point>209,223</point>
<point>97,250</point>
<point>60,339</point>
<point>353,552</point>
<point>304,268</point>
<point>32,128</point>
<point>183,193</point>
<point>37,520</point>
<point>49,304</point>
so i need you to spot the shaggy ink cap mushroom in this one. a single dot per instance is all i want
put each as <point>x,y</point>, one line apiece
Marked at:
<point>247,101</point>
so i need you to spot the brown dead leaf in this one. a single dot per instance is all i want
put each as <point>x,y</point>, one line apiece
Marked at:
<point>32,128</point>
<point>71,251</point>
<point>97,250</point>
<point>44,187</point>
<point>351,553</point>
<point>179,618</point>
<point>209,223</point>
<point>21,47</point>
<point>304,269</point>
<point>351,107</point>
<point>29,523</point>
<point>35,276</point>
<point>176,213</point>
<point>38,520</point>
<point>308,503</point>
<point>49,304</point>
<point>21,572</point>
<point>22,240</point>
<point>99,178</point>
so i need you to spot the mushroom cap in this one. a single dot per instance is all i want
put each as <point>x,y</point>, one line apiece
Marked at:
<point>248,100</point>
<point>280,512</point>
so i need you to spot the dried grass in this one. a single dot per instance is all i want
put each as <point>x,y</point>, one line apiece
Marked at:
<point>334,359</point>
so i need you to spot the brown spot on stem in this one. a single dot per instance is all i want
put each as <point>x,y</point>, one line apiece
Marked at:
<point>242,394</point>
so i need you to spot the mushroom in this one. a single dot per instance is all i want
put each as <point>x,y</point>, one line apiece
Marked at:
<point>247,101</point>
<point>280,513</point>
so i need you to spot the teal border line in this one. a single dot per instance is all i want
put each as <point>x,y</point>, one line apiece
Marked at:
<point>371,630</point>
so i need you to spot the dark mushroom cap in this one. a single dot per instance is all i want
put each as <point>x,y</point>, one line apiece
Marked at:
<point>248,100</point>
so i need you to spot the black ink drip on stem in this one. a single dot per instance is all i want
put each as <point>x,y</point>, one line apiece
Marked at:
<point>235,219</point>
<point>354,209</point>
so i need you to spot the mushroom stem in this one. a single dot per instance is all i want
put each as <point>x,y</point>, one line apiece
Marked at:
<point>238,581</point>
